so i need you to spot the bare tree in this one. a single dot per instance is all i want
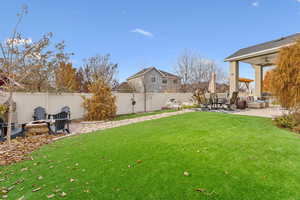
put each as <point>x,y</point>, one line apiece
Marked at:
<point>17,56</point>
<point>193,69</point>
<point>49,60</point>
<point>100,67</point>
<point>185,65</point>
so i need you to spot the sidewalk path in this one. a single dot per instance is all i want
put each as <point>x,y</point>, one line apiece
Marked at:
<point>80,128</point>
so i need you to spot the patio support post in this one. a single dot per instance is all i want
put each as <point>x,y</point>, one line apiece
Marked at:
<point>258,80</point>
<point>234,76</point>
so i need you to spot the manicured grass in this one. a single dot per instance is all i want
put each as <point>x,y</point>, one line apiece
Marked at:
<point>135,115</point>
<point>230,156</point>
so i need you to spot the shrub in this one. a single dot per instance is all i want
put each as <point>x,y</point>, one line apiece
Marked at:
<point>189,106</point>
<point>285,77</point>
<point>285,121</point>
<point>3,109</point>
<point>102,105</point>
<point>296,129</point>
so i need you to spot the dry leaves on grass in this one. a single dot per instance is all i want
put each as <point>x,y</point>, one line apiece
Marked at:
<point>50,196</point>
<point>36,189</point>
<point>186,173</point>
<point>5,190</point>
<point>21,198</point>
<point>139,161</point>
<point>63,194</point>
<point>72,180</point>
<point>21,147</point>
<point>200,189</point>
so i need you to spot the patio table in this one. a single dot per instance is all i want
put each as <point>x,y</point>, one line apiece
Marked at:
<point>39,127</point>
<point>217,102</point>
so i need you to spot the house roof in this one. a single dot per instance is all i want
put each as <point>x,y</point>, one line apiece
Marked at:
<point>144,71</point>
<point>264,48</point>
<point>167,74</point>
<point>124,87</point>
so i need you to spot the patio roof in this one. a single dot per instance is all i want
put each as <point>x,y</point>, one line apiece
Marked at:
<point>264,53</point>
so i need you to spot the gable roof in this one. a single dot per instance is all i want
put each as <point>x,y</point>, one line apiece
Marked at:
<point>146,70</point>
<point>167,74</point>
<point>124,87</point>
<point>264,48</point>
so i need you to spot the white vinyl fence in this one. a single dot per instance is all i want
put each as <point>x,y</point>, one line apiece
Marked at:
<point>52,102</point>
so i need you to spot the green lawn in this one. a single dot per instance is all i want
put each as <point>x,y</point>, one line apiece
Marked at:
<point>142,114</point>
<point>230,157</point>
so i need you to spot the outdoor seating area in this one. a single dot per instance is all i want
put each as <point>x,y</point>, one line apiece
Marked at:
<point>42,123</point>
<point>226,102</point>
<point>216,101</point>
<point>17,130</point>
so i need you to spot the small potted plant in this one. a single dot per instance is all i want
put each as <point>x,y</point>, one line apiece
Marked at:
<point>3,111</point>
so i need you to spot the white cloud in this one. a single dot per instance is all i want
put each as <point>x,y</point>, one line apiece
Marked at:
<point>256,3</point>
<point>143,32</point>
<point>298,1</point>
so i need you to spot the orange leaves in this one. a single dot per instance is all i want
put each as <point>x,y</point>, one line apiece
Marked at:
<point>21,147</point>
<point>285,78</point>
<point>66,79</point>
<point>101,105</point>
<point>267,81</point>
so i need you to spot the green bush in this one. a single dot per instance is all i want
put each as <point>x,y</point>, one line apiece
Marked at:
<point>189,106</point>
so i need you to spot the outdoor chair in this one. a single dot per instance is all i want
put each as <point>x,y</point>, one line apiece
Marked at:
<point>200,98</point>
<point>17,130</point>
<point>61,122</point>
<point>232,101</point>
<point>204,102</point>
<point>67,110</point>
<point>214,100</point>
<point>39,114</point>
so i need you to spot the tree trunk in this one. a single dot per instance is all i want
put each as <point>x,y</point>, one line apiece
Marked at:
<point>10,110</point>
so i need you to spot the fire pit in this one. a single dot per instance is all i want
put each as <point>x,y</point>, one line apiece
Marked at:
<point>38,127</point>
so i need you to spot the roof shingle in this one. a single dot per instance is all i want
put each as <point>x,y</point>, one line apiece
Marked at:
<point>264,46</point>
<point>143,71</point>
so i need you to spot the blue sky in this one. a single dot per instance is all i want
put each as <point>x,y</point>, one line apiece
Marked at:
<point>141,33</point>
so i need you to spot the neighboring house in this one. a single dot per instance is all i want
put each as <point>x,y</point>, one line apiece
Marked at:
<point>154,80</point>
<point>124,87</point>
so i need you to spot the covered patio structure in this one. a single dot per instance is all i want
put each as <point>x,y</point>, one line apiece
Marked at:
<point>259,56</point>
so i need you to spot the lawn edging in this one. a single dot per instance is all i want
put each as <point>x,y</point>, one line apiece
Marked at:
<point>91,127</point>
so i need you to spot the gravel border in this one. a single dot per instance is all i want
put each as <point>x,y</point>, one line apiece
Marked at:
<point>91,127</point>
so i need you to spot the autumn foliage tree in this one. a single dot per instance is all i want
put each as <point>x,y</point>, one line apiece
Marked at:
<point>267,81</point>
<point>102,105</point>
<point>66,79</point>
<point>286,77</point>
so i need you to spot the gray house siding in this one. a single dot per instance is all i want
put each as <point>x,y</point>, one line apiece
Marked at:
<point>154,81</point>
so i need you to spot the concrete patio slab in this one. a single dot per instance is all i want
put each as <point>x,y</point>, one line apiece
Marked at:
<point>270,112</point>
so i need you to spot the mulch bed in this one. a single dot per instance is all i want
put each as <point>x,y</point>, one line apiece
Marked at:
<point>21,148</point>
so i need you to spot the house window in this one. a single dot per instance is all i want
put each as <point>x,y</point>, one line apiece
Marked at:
<point>153,79</point>
<point>175,81</point>
<point>164,81</point>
